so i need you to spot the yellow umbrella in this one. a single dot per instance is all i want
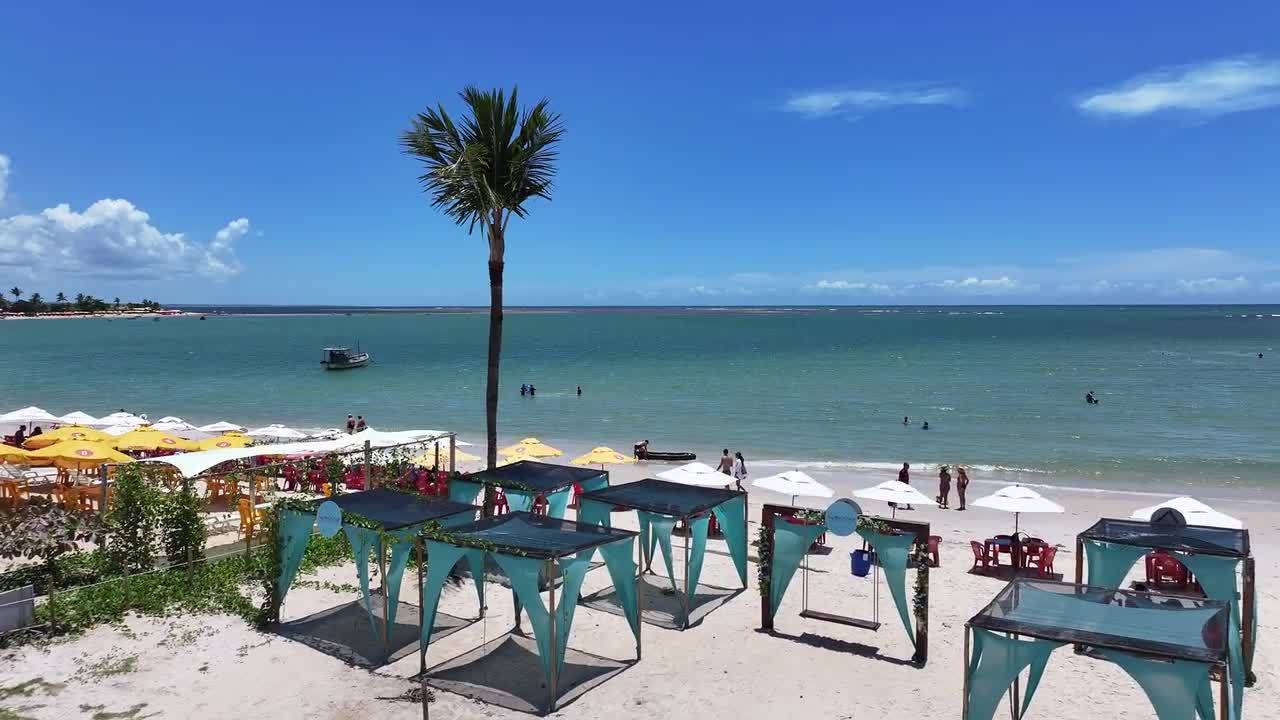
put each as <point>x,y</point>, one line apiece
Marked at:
<point>11,454</point>
<point>530,447</point>
<point>66,432</point>
<point>428,458</point>
<point>228,440</point>
<point>78,454</point>
<point>603,456</point>
<point>147,438</point>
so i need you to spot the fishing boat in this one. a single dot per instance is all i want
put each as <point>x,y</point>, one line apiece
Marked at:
<point>340,358</point>
<point>642,452</point>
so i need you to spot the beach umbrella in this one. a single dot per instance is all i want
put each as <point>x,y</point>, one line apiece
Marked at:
<point>221,426</point>
<point>66,432</point>
<point>15,455</point>
<point>330,434</point>
<point>176,427</point>
<point>428,458</point>
<point>894,492</point>
<point>221,442</point>
<point>117,430</point>
<point>603,456</point>
<point>170,419</point>
<point>149,438</point>
<point>1194,511</point>
<point>794,483</point>
<point>27,416</point>
<point>277,432</point>
<point>530,447</point>
<point>79,418</point>
<point>1017,500</point>
<point>698,474</point>
<point>122,418</point>
<point>78,454</point>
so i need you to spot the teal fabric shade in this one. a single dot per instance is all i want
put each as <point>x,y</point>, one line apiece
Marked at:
<point>599,482</point>
<point>732,516</point>
<point>362,542</point>
<point>660,528</point>
<point>893,552</point>
<point>523,574</point>
<point>1178,689</point>
<point>996,660</point>
<point>464,491</point>
<point>441,557</point>
<point>572,572</point>
<point>622,570</point>
<point>1217,575</point>
<point>1109,563</point>
<point>295,533</point>
<point>594,512</point>
<point>698,527</point>
<point>401,545</point>
<point>520,500</point>
<point>790,544</point>
<point>558,502</point>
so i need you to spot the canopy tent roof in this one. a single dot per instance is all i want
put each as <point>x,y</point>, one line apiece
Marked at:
<point>696,474</point>
<point>1186,538</point>
<point>395,510</point>
<point>1181,628</point>
<point>193,463</point>
<point>662,497</point>
<point>537,476</point>
<point>537,536</point>
<point>794,482</point>
<point>1194,511</point>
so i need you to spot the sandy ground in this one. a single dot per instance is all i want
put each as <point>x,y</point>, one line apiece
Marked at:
<point>201,666</point>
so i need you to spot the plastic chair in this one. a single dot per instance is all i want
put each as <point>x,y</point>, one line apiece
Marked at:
<point>934,542</point>
<point>1165,570</point>
<point>500,506</point>
<point>577,490</point>
<point>980,555</point>
<point>249,520</point>
<point>1044,561</point>
<point>11,493</point>
<point>540,506</point>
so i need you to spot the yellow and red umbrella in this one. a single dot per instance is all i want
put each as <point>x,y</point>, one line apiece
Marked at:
<point>147,438</point>
<point>221,442</point>
<point>66,432</point>
<point>530,447</point>
<point>16,455</point>
<point>77,454</point>
<point>603,456</point>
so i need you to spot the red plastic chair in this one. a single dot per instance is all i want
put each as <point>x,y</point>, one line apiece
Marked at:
<point>500,506</point>
<point>1165,570</point>
<point>290,477</point>
<point>540,506</point>
<point>980,555</point>
<point>577,490</point>
<point>317,480</point>
<point>353,480</point>
<point>934,542</point>
<point>1044,561</point>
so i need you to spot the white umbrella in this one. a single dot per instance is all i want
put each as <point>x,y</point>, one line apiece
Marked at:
<point>220,427</point>
<point>895,492</point>
<point>123,418</point>
<point>78,417</point>
<point>276,432</point>
<point>171,419</point>
<point>1017,500</point>
<point>696,473</point>
<point>119,429</point>
<point>28,415</point>
<point>1194,511</point>
<point>794,483</point>
<point>175,427</point>
<point>330,434</point>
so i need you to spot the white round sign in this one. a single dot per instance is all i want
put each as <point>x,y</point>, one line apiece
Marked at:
<point>329,518</point>
<point>842,516</point>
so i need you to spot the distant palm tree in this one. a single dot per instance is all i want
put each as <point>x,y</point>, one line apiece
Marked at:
<point>117,303</point>
<point>482,171</point>
<point>16,292</point>
<point>36,301</point>
<point>61,299</point>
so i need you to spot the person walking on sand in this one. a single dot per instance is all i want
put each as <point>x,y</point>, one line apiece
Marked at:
<point>739,470</point>
<point>726,463</point>
<point>944,487</point>
<point>904,476</point>
<point>962,484</point>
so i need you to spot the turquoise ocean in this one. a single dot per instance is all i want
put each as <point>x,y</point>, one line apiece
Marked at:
<point>1185,400</point>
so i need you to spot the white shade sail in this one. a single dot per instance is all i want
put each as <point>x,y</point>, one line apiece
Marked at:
<point>893,491</point>
<point>1194,511</point>
<point>330,434</point>
<point>78,417</point>
<point>276,432</point>
<point>385,438</point>
<point>31,414</point>
<point>193,463</point>
<point>1018,499</point>
<point>222,426</point>
<point>795,484</point>
<point>696,473</point>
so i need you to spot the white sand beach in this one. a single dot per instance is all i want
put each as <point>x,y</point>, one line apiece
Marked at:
<point>201,666</point>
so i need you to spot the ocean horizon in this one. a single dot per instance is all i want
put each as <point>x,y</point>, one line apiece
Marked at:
<point>1185,400</point>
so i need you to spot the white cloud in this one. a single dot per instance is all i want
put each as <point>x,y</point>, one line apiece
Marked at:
<point>981,286</point>
<point>845,286</point>
<point>1214,88</point>
<point>112,238</point>
<point>704,291</point>
<point>1212,285</point>
<point>4,176</point>
<point>822,103</point>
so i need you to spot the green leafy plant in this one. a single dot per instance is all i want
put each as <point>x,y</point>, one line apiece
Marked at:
<point>182,525</point>
<point>764,562</point>
<point>63,571</point>
<point>132,520</point>
<point>41,529</point>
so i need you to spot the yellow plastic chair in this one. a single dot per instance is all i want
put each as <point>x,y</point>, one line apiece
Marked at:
<point>11,493</point>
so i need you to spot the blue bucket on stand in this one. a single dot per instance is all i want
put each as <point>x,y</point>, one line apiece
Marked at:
<point>860,562</point>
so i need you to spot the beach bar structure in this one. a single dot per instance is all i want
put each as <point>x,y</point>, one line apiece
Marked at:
<point>525,481</point>
<point>1220,559</point>
<point>533,550</point>
<point>387,523</point>
<point>1173,647</point>
<point>659,505</point>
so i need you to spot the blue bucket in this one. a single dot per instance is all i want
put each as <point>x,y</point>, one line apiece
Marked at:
<point>860,562</point>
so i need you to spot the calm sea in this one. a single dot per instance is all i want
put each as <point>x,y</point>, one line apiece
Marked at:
<point>1185,399</point>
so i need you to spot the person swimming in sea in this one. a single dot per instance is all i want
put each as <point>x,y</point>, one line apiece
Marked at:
<point>925,426</point>
<point>524,389</point>
<point>906,421</point>
<point>1090,399</point>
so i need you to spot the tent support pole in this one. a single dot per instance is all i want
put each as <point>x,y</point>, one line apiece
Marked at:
<point>551,594</point>
<point>253,513</point>
<point>1247,615</point>
<point>1223,698</point>
<point>386,601</point>
<point>1079,561</point>
<point>453,452</point>
<point>639,610</point>
<point>964,707</point>
<point>1015,692</point>
<point>102,504</point>
<point>422,619</point>
<point>688,530</point>
<point>368,460</point>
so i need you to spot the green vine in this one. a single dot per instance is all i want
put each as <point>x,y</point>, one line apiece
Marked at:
<point>876,526</point>
<point>269,611</point>
<point>764,562</point>
<point>920,600</point>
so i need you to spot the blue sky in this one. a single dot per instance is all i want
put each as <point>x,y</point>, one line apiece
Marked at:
<point>715,154</point>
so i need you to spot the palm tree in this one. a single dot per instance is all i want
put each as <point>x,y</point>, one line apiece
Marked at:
<point>37,302</point>
<point>117,303</point>
<point>61,299</point>
<point>16,292</point>
<point>482,171</point>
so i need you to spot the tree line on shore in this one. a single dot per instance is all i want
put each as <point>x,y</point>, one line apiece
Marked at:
<point>36,304</point>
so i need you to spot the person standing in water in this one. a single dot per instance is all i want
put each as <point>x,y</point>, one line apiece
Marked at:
<point>905,421</point>
<point>944,487</point>
<point>962,484</point>
<point>579,391</point>
<point>739,470</point>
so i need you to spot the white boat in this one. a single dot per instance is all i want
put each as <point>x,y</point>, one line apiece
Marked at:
<point>340,358</point>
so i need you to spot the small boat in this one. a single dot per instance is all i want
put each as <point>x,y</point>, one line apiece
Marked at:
<point>666,456</point>
<point>340,358</point>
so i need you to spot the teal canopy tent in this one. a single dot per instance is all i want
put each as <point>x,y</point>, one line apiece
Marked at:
<point>1219,558</point>
<point>1168,645</point>
<point>383,521</point>
<point>530,550</point>
<point>525,481</point>
<point>659,505</point>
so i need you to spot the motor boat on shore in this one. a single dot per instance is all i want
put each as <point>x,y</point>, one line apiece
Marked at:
<point>340,358</point>
<point>642,452</point>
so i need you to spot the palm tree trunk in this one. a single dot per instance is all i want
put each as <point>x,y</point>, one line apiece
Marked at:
<point>495,361</point>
